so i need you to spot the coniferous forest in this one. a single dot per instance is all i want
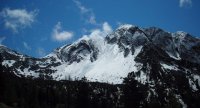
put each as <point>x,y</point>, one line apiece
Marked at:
<point>16,92</point>
<point>24,92</point>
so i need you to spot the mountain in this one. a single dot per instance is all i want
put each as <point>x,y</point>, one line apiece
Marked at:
<point>167,64</point>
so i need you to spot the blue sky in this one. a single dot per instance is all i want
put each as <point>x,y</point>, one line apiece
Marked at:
<point>37,27</point>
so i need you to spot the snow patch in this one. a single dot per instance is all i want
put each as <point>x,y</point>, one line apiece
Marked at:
<point>26,72</point>
<point>142,78</point>
<point>181,34</point>
<point>197,78</point>
<point>126,26</point>
<point>172,56</point>
<point>192,85</point>
<point>8,63</point>
<point>167,66</point>
<point>181,101</point>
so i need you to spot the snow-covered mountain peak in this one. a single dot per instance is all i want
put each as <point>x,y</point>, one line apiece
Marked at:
<point>110,58</point>
<point>182,33</point>
<point>126,33</point>
<point>126,26</point>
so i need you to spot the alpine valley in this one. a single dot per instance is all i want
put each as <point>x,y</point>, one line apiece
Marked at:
<point>131,67</point>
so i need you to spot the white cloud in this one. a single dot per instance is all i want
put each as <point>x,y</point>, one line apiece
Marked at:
<point>26,46</point>
<point>89,17</point>
<point>59,35</point>
<point>86,13</point>
<point>2,39</point>
<point>185,3</point>
<point>92,19</point>
<point>98,35</point>
<point>16,19</point>
<point>100,32</point>
<point>107,28</point>
<point>41,52</point>
<point>80,6</point>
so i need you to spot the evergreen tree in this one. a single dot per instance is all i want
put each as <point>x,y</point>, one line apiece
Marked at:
<point>83,94</point>
<point>132,92</point>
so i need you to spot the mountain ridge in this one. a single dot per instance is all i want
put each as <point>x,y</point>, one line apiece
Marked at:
<point>124,42</point>
<point>162,67</point>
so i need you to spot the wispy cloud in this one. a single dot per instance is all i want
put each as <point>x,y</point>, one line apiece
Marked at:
<point>2,39</point>
<point>82,8</point>
<point>26,46</point>
<point>100,32</point>
<point>86,13</point>
<point>16,19</point>
<point>185,3</point>
<point>41,52</point>
<point>98,35</point>
<point>59,35</point>
<point>107,28</point>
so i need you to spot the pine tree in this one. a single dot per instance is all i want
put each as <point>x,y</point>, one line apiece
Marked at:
<point>132,92</point>
<point>83,94</point>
